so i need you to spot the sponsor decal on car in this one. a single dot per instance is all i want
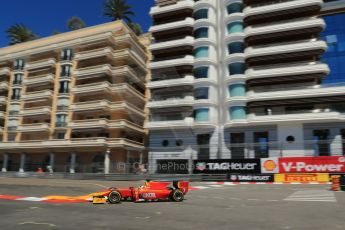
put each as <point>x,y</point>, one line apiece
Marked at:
<point>148,195</point>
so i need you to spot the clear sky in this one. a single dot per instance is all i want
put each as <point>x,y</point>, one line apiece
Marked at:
<point>46,16</point>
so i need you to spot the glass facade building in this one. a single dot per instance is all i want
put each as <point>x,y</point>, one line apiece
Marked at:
<point>334,35</point>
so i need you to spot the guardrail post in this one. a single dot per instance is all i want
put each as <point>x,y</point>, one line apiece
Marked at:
<point>51,162</point>
<point>107,161</point>
<point>22,162</point>
<point>72,163</point>
<point>4,163</point>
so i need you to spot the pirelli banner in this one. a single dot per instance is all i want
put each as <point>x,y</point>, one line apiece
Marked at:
<point>323,164</point>
<point>301,177</point>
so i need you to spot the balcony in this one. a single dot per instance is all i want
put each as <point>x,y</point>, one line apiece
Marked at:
<point>306,117</point>
<point>294,27</point>
<point>180,5</point>
<point>94,71</point>
<point>37,80</point>
<point>41,64</point>
<point>283,51</point>
<point>266,11</point>
<point>173,61</point>
<point>171,102</point>
<point>188,122</point>
<point>187,80</point>
<point>38,95</point>
<point>188,22</point>
<point>297,69</point>
<point>187,41</point>
<point>93,105</point>
<point>36,127</point>
<point>300,92</point>
<point>3,100</point>
<point>4,85</point>
<point>36,111</point>
<point>125,54</point>
<point>78,143</point>
<point>105,105</point>
<point>104,87</point>
<point>92,88</point>
<point>104,124</point>
<point>5,71</point>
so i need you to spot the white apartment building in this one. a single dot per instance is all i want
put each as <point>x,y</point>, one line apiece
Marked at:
<point>241,79</point>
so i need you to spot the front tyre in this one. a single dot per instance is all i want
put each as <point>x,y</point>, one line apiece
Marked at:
<point>114,197</point>
<point>177,195</point>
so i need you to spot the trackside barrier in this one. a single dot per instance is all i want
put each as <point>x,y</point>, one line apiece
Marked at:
<point>95,176</point>
<point>250,178</point>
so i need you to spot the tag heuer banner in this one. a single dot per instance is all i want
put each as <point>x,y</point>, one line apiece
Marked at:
<point>227,166</point>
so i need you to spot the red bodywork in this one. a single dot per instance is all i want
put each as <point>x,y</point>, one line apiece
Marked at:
<point>153,190</point>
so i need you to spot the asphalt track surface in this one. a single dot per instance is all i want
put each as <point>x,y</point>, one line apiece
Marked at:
<point>211,207</point>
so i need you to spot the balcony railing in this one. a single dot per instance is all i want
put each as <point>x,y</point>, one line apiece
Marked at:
<point>35,127</point>
<point>75,142</point>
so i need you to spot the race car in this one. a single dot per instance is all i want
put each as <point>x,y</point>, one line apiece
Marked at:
<point>150,191</point>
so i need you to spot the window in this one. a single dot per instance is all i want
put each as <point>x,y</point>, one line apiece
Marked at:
<point>334,36</point>
<point>17,79</point>
<point>201,14</point>
<point>261,147</point>
<point>235,27</point>
<point>165,143</point>
<point>321,142</point>
<point>236,68</point>
<point>11,137</point>
<point>19,64</point>
<point>201,52</point>
<point>60,135</point>
<point>179,142</point>
<point>235,47</point>
<point>67,54</point>
<point>64,87</point>
<point>15,94</point>
<point>201,33</point>
<point>201,93</point>
<point>201,72</point>
<point>65,70</point>
<point>61,120</point>
<point>237,90</point>
<point>238,112</point>
<point>237,145</point>
<point>105,117</point>
<point>235,8</point>
<point>203,141</point>
<point>201,114</point>
<point>290,139</point>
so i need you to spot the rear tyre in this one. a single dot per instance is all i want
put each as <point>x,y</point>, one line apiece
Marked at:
<point>177,195</point>
<point>114,197</point>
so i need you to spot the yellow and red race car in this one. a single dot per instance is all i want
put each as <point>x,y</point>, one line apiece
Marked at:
<point>150,191</point>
